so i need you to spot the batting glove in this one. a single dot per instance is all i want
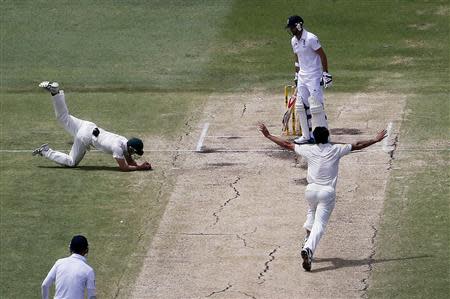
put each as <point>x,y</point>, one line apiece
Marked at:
<point>327,80</point>
<point>296,78</point>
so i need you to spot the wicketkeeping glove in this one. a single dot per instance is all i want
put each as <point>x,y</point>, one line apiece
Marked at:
<point>327,80</point>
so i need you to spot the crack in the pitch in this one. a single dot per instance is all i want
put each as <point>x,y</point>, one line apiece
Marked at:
<point>267,265</point>
<point>222,206</point>
<point>243,110</point>
<point>248,295</point>
<point>244,239</point>
<point>187,131</point>
<point>221,291</point>
<point>116,295</point>
<point>365,281</point>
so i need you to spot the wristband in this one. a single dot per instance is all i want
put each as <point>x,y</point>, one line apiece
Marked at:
<point>297,64</point>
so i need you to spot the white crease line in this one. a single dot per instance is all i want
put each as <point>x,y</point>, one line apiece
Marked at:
<point>202,138</point>
<point>235,136</point>
<point>243,150</point>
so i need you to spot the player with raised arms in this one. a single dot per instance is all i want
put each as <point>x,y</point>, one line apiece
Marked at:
<point>323,163</point>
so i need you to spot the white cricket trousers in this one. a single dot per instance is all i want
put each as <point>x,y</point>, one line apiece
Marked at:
<point>81,131</point>
<point>307,87</point>
<point>321,204</point>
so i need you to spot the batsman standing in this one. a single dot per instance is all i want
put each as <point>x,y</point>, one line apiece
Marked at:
<point>311,75</point>
<point>87,134</point>
<point>323,163</point>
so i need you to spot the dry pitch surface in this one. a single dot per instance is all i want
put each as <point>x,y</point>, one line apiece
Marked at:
<point>233,224</point>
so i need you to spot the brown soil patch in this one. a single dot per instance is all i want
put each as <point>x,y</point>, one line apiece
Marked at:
<point>422,26</point>
<point>345,131</point>
<point>401,60</point>
<point>233,224</point>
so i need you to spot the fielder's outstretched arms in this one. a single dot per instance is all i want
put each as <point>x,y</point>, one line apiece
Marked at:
<point>87,134</point>
<point>291,146</point>
<point>323,162</point>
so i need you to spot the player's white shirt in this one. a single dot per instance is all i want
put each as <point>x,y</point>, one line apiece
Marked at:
<point>72,275</point>
<point>305,49</point>
<point>110,143</point>
<point>323,162</point>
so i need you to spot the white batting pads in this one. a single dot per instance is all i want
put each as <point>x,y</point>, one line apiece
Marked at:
<point>301,115</point>
<point>317,113</point>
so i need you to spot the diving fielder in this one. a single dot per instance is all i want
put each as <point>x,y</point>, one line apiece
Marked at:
<point>311,75</point>
<point>87,134</point>
<point>323,162</point>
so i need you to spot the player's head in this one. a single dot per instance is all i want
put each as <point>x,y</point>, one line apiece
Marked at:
<point>79,245</point>
<point>135,146</point>
<point>321,135</point>
<point>295,24</point>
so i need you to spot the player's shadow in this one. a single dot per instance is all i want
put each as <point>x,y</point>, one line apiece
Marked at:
<point>85,168</point>
<point>337,263</point>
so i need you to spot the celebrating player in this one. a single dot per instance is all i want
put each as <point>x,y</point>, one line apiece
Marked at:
<point>72,275</point>
<point>311,73</point>
<point>87,134</point>
<point>323,162</point>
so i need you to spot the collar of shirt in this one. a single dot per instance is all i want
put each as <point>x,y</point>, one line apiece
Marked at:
<point>303,37</point>
<point>78,256</point>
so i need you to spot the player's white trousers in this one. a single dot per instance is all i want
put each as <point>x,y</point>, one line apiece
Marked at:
<point>307,87</point>
<point>321,203</point>
<point>81,131</point>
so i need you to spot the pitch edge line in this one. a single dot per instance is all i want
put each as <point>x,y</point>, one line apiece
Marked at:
<point>240,150</point>
<point>202,138</point>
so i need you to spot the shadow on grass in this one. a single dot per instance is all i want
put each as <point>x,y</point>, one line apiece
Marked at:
<point>84,168</point>
<point>342,263</point>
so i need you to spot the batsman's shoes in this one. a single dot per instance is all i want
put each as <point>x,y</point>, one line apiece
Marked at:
<point>39,150</point>
<point>52,87</point>
<point>303,140</point>
<point>306,254</point>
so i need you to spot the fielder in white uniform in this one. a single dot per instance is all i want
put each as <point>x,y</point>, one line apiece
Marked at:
<point>71,275</point>
<point>311,75</point>
<point>323,162</point>
<point>87,134</point>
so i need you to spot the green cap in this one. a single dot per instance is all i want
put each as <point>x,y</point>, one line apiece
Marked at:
<point>137,145</point>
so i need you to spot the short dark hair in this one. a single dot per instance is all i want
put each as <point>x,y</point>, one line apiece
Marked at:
<point>79,244</point>
<point>321,135</point>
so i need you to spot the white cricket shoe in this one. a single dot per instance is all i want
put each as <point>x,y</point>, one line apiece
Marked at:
<point>52,87</point>
<point>303,140</point>
<point>306,254</point>
<point>39,150</point>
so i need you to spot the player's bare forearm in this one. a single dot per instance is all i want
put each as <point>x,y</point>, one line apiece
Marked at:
<point>296,63</point>
<point>281,142</point>
<point>123,166</point>
<point>323,59</point>
<point>365,143</point>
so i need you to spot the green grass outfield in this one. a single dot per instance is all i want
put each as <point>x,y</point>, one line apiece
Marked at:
<point>124,64</point>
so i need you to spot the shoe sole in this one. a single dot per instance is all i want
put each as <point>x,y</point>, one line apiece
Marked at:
<point>52,87</point>
<point>39,150</point>
<point>306,263</point>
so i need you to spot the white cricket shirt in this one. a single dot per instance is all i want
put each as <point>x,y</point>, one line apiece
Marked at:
<point>323,161</point>
<point>72,275</point>
<point>110,143</point>
<point>305,49</point>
